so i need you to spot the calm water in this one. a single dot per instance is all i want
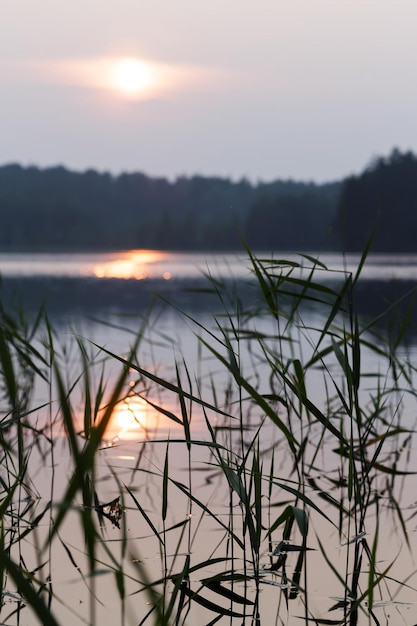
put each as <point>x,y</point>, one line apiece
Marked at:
<point>100,284</point>
<point>109,307</point>
<point>151,264</point>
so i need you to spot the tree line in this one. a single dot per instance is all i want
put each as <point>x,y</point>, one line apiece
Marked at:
<point>58,209</point>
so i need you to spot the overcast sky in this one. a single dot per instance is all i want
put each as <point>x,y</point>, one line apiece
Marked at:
<point>267,89</point>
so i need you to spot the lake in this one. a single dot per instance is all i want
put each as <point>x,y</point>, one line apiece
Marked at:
<point>154,264</point>
<point>228,375</point>
<point>126,281</point>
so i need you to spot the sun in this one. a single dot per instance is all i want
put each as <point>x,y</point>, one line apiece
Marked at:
<point>131,76</point>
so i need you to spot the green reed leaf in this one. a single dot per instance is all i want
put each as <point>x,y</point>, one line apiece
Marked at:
<point>165,479</point>
<point>144,515</point>
<point>184,413</point>
<point>207,604</point>
<point>216,587</point>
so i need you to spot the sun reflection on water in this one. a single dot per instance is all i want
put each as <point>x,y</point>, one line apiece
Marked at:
<point>132,418</point>
<point>135,264</point>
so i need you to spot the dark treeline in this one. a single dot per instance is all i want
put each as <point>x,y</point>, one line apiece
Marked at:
<point>57,209</point>
<point>382,199</point>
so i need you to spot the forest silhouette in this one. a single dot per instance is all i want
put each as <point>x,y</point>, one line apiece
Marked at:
<point>57,209</point>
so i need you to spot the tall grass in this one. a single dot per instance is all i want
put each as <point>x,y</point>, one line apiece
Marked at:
<point>302,466</point>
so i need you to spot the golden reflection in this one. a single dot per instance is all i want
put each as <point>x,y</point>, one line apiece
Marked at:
<point>135,418</point>
<point>132,418</point>
<point>136,264</point>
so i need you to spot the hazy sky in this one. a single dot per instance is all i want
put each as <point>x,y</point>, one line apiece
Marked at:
<point>307,89</point>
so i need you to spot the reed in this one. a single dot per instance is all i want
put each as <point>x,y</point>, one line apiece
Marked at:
<point>302,464</point>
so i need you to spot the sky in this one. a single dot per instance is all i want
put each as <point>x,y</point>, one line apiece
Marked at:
<point>272,89</point>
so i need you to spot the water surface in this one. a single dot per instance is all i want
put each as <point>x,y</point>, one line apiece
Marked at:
<point>153,264</point>
<point>102,300</point>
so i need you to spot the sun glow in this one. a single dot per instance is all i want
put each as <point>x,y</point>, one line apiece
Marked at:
<point>134,264</point>
<point>127,77</point>
<point>131,76</point>
<point>132,418</point>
